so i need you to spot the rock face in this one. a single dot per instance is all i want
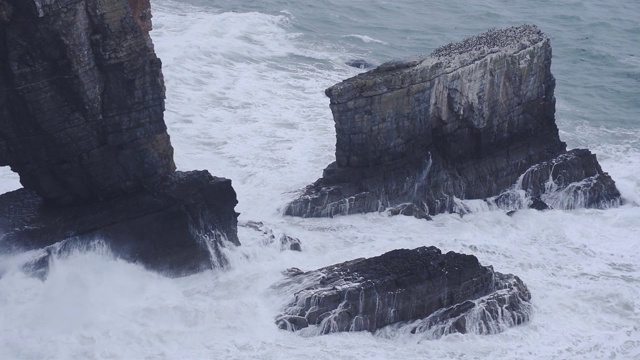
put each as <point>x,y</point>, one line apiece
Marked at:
<point>81,122</point>
<point>81,98</point>
<point>422,288</point>
<point>177,226</point>
<point>463,123</point>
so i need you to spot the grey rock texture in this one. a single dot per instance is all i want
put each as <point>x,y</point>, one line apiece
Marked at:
<point>177,226</point>
<point>465,122</point>
<point>81,122</point>
<point>285,241</point>
<point>81,98</point>
<point>420,288</point>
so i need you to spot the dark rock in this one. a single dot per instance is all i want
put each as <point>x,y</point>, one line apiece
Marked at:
<point>409,210</point>
<point>292,323</point>
<point>177,226</point>
<point>538,204</point>
<point>508,306</point>
<point>446,292</point>
<point>81,98</point>
<point>465,122</point>
<point>289,243</point>
<point>81,122</point>
<point>268,238</point>
<point>360,64</point>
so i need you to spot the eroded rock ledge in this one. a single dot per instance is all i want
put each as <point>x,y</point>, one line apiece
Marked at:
<point>465,122</point>
<point>81,122</point>
<point>420,290</point>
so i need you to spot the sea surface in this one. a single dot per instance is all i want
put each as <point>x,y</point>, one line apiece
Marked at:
<point>245,99</point>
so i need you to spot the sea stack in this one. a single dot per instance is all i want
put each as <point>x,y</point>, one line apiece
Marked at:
<point>470,121</point>
<point>81,122</point>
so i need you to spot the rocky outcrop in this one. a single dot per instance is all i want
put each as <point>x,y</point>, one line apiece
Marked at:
<point>81,99</point>
<point>177,226</point>
<point>81,122</point>
<point>422,288</point>
<point>463,123</point>
<point>285,242</point>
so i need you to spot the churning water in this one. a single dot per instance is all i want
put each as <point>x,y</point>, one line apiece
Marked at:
<point>245,100</point>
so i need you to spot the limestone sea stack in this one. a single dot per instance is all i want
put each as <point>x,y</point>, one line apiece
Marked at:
<point>419,290</point>
<point>81,122</point>
<point>467,122</point>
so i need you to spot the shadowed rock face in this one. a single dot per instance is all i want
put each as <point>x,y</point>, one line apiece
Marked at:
<point>81,121</point>
<point>177,226</point>
<point>465,122</point>
<point>444,293</point>
<point>81,98</point>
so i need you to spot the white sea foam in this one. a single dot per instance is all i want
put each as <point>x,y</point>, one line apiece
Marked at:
<point>245,100</point>
<point>365,38</point>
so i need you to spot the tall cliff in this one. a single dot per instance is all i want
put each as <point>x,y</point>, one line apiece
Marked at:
<point>81,98</point>
<point>463,123</point>
<point>81,122</point>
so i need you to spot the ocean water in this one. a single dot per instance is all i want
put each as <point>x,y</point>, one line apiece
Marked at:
<point>245,100</point>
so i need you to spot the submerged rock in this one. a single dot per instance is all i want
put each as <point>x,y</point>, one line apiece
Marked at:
<point>81,122</point>
<point>421,288</point>
<point>360,64</point>
<point>409,210</point>
<point>465,122</point>
<point>285,241</point>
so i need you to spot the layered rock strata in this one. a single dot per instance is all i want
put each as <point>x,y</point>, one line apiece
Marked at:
<point>422,289</point>
<point>81,98</point>
<point>463,123</point>
<point>81,122</point>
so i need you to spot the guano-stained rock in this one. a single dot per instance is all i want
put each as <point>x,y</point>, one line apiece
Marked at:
<point>421,290</point>
<point>463,123</point>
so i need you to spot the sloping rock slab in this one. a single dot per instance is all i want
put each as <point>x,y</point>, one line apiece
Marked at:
<point>446,292</point>
<point>176,226</point>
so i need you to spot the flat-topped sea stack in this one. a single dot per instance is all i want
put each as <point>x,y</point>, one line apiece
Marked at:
<point>81,122</point>
<point>466,122</point>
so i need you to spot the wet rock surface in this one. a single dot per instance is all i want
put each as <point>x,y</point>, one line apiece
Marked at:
<point>360,64</point>
<point>81,122</point>
<point>421,288</point>
<point>463,123</point>
<point>285,241</point>
<point>177,226</point>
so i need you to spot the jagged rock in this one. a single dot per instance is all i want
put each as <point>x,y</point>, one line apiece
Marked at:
<point>508,306</point>
<point>446,292</point>
<point>538,204</point>
<point>290,243</point>
<point>81,98</point>
<point>268,238</point>
<point>177,226</point>
<point>463,123</point>
<point>81,122</point>
<point>360,64</point>
<point>409,210</point>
